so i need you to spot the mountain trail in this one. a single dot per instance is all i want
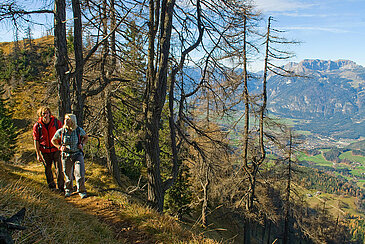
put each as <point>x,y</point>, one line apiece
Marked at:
<point>108,212</point>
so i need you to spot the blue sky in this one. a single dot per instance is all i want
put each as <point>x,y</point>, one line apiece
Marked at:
<point>328,29</point>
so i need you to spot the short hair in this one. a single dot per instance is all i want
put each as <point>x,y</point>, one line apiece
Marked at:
<point>43,109</point>
<point>73,119</point>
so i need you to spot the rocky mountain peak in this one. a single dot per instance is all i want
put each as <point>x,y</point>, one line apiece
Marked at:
<point>329,94</point>
<point>308,65</point>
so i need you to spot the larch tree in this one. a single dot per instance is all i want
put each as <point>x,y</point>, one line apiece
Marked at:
<point>175,31</point>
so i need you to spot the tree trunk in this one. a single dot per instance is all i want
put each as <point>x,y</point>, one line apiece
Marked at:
<point>269,233</point>
<point>205,198</point>
<point>246,100</point>
<point>156,97</point>
<point>112,161</point>
<point>155,189</point>
<point>252,192</point>
<point>247,231</point>
<point>287,198</point>
<point>79,101</point>
<point>61,66</point>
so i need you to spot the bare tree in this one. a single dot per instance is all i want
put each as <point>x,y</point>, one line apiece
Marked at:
<point>61,62</point>
<point>78,107</point>
<point>220,22</point>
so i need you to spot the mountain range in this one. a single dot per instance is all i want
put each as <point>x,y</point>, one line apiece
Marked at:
<point>325,97</point>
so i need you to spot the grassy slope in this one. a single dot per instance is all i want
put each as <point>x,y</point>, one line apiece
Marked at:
<point>7,47</point>
<point>49,218</point>
<point>348,155</point>
<point>106,216</point>
<point>318,159</point>
<point>103,217</point>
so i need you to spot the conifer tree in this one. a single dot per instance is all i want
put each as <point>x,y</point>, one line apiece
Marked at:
<point>7,131</point>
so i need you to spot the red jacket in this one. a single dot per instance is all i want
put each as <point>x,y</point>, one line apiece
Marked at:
<point>47,134</point>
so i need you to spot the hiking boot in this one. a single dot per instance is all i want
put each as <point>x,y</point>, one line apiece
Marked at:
<point>67,193</point>
<point>83,195</point>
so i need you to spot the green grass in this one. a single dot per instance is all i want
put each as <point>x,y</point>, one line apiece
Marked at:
<point>336,204</point>
<point>325,150</point>
<point>348,155</point>
<point>317,159</point>
<point>361,183</point>
<point>357,172</point>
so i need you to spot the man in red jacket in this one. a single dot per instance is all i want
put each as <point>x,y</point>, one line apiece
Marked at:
<point>47,153</point>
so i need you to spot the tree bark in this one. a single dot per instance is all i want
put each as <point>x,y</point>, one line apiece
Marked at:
<point>287,197</point>
<point>61,65</point>
<point>156,97</point>
<point>78,75</point>
<point>112,161</point>
<point>205,187</point>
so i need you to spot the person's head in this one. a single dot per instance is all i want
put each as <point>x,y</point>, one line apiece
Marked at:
<point>70,122</point>
<point>45,114</point>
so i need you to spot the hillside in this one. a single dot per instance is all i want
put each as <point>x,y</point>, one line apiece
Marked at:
<point>329,98</point>
<point>7,47</point>
<point>119,214</point>
<point>110,214</point>
<point>326,98</point>
<point>107,216</point>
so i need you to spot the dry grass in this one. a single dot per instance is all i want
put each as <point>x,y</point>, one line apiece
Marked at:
<point>50,218</point>
<point>110,215</point>
<point>7,47</point>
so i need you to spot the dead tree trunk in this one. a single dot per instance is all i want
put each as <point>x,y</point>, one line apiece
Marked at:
<point>61,65</point>
<point>78,108</point>
<point>205,186</point>
<point>156,97</point>
<point>287,197</point>
<point>112,161</point>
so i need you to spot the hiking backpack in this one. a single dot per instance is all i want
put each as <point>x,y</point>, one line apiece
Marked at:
<point>39,127</point>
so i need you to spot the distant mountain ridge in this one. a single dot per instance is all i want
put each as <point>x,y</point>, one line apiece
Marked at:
<point>321,65</point>
<point>329,100</point>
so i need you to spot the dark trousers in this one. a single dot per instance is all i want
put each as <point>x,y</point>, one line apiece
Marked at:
<point>54,158</point>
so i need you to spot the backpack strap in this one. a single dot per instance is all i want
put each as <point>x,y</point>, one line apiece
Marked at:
<point>39,127</point>
<point>56,123</point>
<point>79,138</point>
<point>78,135</point>
<point>62,135</point>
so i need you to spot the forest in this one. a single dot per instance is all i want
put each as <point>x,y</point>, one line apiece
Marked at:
<point>122,67</point>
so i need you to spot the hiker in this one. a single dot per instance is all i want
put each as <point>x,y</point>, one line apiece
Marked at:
<point>70,139</point>
<point>43,131</point>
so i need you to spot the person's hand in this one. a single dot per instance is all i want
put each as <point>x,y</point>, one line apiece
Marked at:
<point>80,146</point>
<point>62,148</point>
<point>40,158</point>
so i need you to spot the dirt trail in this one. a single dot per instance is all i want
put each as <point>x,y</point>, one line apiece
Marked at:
<point>108,212</point>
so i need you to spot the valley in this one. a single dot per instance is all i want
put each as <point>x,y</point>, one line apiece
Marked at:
<point>322,96</point>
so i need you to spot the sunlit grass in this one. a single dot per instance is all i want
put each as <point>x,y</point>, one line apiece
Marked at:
<point>348,155</point>
<point>317,159</point>
<point>51,219</point>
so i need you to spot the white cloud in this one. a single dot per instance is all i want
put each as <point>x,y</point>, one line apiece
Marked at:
<point>296,14</point>
<point>315,28</point>
<point>281,5</point>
